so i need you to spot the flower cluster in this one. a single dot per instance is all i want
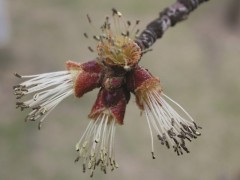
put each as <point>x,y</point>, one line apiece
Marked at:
<point>116,71</point>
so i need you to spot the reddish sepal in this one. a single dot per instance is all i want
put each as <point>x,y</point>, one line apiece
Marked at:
<point>86,82</point>
<point>71,65</point>
<point>92,66</point>
<point>136,78</point>
<point>113,102</point>
<point>88,76</point>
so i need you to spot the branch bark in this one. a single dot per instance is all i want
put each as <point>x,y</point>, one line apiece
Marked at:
<point>170,16</point>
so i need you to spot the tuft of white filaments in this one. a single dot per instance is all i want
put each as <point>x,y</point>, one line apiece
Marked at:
<point>171,128</point>
<point>46,90</point>
<point>96,145</point>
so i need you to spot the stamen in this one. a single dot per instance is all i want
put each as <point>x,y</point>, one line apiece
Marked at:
<point>170,127</point>
<point>153,156</point>
<point>85,35</point>
<point>116,12</point>
<point>98,151</point>
<point>90,49</point>
<point>49,88</point>
<point>17,75</point>
<point>89,19</point>
<point>97,38</point>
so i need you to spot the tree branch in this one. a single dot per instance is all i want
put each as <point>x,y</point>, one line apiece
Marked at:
<point>170,16</point>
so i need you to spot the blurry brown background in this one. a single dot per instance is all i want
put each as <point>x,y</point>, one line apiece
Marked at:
<point>198,62</point>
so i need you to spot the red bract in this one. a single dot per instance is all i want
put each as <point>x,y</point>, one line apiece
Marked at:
<point>88,76</point>
<point>112,103</point>
<point>140,81</point>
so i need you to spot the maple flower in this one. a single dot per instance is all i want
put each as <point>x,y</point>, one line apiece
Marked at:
<point>117,73</point>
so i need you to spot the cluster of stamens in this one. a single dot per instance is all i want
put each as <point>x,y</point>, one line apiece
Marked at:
<point>96,146</point>
<point>116,47</point>
<point>48,90</point>
<point>171,133</point>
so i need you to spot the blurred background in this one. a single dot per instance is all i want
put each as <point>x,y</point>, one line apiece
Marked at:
<point>198,62</point>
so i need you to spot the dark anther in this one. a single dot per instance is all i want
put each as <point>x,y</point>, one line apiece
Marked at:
<point>181,136</point>
<point>85,35</point>
<point>196,126</point>
<point>185,127</point>
<point>127,33</point>
<point>114,11</point>
<point>98,162</point>
<point>161,139</point>
<point>194,131</point>
<point>89,19</point>
<point>96,38</point>
<point>188,138</point>
<point>123,34</point>
<point>77,159</point>
<point>90,49</point>
<point>137,31</point>
<point>39,125</point>
<point>36,107</point>
<point>115,164</point>
<point>129,23</point>
<point>84,167</point>
<point>91,174</point>
<point>185,148</point>
<point>167,144</point>
<point>180,150</point>
<point>164,137</point>
<point>171,133</point>
<point>137,22</point>
<point>17,75</point>
<point>105,171</point>
<point>176,141</point>
<point>184,134</point>
<point>176,150</point>
<point>182,142</point>
<point>172,121</point>
<point>190,135</point>
<point>144,52</point>
<point>16,87</point>
<point>19,103</point>
<point>153,156</point>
